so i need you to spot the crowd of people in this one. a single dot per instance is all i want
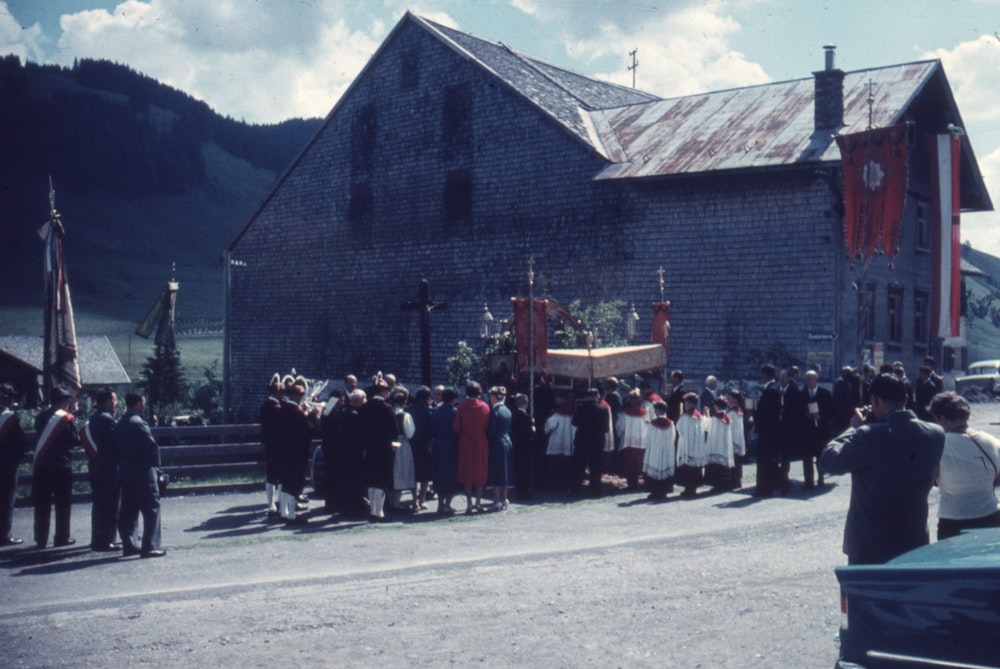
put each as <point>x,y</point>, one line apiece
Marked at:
<point>387,450</point>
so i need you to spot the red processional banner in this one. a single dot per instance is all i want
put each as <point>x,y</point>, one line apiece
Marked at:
<point>526,337</point>
<point>875,176</point>
<point>661,324</point>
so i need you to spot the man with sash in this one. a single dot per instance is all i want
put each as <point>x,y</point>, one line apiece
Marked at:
<point>13,446</point>
<point>52,478</point>
<point>138,472</point>
<point>99,441</point>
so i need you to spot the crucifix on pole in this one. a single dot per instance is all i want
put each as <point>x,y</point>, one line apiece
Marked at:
<point>635,64</point>
<point>425,307</point>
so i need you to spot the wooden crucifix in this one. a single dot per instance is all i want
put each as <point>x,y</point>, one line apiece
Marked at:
<point>425,307</point>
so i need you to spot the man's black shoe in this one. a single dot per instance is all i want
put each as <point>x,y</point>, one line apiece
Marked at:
<point>297,521</point>
<point>153,553</point>
<point>11,541</point>
<point>66,542</point>
<point>130,552</point>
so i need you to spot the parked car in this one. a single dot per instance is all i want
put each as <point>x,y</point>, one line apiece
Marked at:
<point>935,606</point>
<point>983,377</point>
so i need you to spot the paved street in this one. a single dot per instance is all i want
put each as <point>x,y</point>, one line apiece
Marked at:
<point>719,581</point>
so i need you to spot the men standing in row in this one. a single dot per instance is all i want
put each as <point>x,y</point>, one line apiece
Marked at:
<point>99,440</point>
<point>52,478</point>
<point>378,429</point>
<point>892,457</point>
<point>13,446</point>
<point>138,471</point>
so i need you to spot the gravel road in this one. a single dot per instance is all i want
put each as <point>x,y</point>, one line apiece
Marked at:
<point>719,581</point>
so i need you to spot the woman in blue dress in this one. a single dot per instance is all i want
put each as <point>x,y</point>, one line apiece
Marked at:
<point>498,434</point>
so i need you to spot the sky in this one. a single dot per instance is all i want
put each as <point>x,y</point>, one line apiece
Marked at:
<point>264,61</point>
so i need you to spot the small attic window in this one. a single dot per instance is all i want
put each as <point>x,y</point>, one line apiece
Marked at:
<point>409,70</point>
<point>360,210</point>
<point>456,126</point>
<point>458,196</point>
<point>363,138</point>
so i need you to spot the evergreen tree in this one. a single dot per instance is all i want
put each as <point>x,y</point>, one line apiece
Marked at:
<point>163,378</point>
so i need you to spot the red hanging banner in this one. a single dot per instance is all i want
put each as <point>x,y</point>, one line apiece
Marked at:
<point>523,322</point>
<point>661,324</point>
<point>875,176</point>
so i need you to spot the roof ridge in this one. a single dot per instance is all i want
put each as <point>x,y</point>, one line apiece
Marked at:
<point>527,61</point>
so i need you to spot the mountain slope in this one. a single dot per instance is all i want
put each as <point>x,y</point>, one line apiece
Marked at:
<point>144,175</point>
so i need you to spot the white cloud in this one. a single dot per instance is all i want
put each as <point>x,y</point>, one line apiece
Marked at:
<point>972,68</point>
<point>26,42</point>
<point>263,62</point>
<point>982,230</point>
<point>682,51</point>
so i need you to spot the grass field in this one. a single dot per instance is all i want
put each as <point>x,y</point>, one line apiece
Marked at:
<point>197,352</point>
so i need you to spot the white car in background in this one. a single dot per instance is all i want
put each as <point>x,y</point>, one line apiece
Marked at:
<point>983,378</point>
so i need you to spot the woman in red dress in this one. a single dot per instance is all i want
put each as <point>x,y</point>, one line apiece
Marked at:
<point>470,424</point>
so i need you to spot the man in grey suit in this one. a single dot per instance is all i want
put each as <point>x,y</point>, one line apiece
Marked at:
<point>891,456</point>
<point>138,472</point>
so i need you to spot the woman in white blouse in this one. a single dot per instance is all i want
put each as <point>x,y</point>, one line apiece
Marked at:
<point>969,470</point>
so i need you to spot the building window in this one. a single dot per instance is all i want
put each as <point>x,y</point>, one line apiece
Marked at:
<point>866,312</point>
<point>895,311</point>
<point>363,139</point>
<point>456,130</point>
<point>362,205</point>
<point>409,70</point>
<point>921,321</point>
<point>923,226</point>
<point>458,196</point>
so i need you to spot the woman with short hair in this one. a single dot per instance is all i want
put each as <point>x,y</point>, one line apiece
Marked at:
<point>968,472</point>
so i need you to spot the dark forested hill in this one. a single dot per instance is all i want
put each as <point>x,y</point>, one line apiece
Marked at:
<point>144,175</point>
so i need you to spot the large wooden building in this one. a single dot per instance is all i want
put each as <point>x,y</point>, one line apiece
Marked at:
<point>456,159</point>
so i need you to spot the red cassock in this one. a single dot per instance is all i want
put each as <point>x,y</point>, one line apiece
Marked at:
<point>471,419</point>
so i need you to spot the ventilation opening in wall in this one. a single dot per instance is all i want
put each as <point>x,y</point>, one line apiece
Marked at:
<point>409,71</point>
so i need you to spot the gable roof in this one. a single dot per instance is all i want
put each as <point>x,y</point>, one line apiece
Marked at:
<point>99,364</point>
<point>564,95</point>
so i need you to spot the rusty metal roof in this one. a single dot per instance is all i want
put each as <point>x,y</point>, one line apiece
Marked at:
<point>758,126</point>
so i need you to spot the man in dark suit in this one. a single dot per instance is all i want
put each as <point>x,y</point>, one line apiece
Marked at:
<point>767,419</point>
<point>52,478</point>
<point>592,422</point>
<point>138,472</point>
<point>13,446</point>
<point>892,457</point>
<point>296,438</point>
<point>789,428</point>
<point>99,440</point>
<point>817,425</point>
<point>675,395</point>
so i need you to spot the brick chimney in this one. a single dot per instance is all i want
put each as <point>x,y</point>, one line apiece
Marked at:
<point>828,104</point>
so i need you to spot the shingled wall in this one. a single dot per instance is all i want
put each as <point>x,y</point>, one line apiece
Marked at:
<point>429,167</point>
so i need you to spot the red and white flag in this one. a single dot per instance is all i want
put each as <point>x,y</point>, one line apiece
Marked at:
<point>60,366</point>
<point>946,249</point>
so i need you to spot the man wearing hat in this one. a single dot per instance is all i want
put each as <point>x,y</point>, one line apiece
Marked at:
<point>52,478</point>
<point>13,446</point>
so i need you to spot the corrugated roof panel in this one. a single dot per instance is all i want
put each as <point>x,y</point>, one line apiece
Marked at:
<point>758,126</point>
